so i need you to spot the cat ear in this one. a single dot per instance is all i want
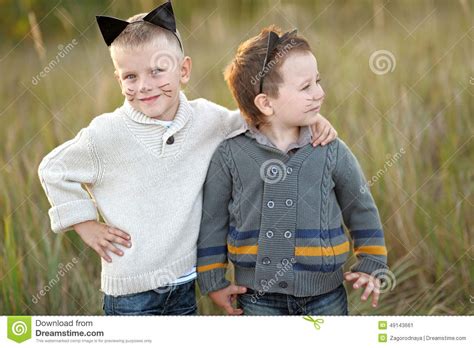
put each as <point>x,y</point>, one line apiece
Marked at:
<point>110,28</point>
<point>163,16</point>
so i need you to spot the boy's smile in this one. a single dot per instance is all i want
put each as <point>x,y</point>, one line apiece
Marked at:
<point>150,78</point>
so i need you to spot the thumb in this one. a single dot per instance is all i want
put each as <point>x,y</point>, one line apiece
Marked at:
<point>234,289</point>
<point>351,275</point>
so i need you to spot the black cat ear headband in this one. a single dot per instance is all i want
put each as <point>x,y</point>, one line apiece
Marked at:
<point>273,41</point>
<point>162,16</point>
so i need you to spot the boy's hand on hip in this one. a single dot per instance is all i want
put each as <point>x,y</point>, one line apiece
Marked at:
<point>101,238</point>
<point>226,296</point>
<point>323,132</point>
<point>371,284</point>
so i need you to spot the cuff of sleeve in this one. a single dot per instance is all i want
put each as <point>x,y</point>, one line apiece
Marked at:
<point>212,280</point>
<point>370,266</point>
<point>64,216</point>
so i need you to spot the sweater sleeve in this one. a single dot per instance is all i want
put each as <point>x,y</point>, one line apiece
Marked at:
<point>232,122</point>
<point>62,173</point>
<point>212,241</point>
<point>360,214</point>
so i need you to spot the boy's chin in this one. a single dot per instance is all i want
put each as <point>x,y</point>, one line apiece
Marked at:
<point>152,112</point>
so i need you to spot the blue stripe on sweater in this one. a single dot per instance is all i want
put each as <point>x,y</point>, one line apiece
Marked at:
<point>317,267</point>
<point>239,235</point>
<point>331,233</point>
<point>212,251</point>
<point>244,264</point>
<point>367,234</point>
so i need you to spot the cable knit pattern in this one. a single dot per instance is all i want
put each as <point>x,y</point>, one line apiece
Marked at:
<point>122,167</point>
<point>286,235</point>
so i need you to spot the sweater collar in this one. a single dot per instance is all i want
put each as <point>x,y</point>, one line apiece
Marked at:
<point>182,115</point>
<point>304,138</point>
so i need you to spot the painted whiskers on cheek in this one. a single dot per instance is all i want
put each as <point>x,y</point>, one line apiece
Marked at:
<point>130,94</point>
<point>309,106</point>
<point>166,91</point>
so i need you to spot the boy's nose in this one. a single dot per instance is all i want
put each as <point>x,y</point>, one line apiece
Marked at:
<point>319,93</point>
<point>145,86</point>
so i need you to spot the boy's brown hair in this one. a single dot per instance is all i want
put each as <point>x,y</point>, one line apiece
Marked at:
<point>243,74</point>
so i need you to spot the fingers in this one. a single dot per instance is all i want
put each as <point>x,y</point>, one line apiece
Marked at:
<point>351,276</point>
<point>368,290</point>
<point>119,239</point>
<point>360,282</point>
<point>235,289</point>
<point>231,293</point>
<point>322,136</point>
<point>118,233</point>
<point>331,136</point>
<point>375,297</point>
<point>99,250</point>
<point>109,246</point>
<point>233,311</point>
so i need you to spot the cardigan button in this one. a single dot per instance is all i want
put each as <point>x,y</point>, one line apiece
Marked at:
<point>283,285</point>
<point>266,261</point>
<point>289,170</point>
<point>269,234</point>
<point>289,202</point>
<point>287,234</point>
<point>270,204</point>
<point>170,140</point>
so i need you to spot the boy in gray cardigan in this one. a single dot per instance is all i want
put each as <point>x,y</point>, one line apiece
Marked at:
<point>142,167</point>
<point>274,205</point>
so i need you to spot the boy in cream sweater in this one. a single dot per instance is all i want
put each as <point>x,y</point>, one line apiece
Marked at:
<point>142,167</point>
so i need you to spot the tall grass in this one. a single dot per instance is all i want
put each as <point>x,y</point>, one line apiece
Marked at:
<point>423,107</point>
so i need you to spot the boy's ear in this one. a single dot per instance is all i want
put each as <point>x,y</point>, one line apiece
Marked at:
<point>117,77</point>
<point>186,67</point>
<point>263,104</point>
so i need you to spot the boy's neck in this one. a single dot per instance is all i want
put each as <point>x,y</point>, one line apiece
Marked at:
<point>280,135</point>
<point>168,115</point>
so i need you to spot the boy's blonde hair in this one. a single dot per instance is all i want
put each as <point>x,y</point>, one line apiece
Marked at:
<point>140,32</point>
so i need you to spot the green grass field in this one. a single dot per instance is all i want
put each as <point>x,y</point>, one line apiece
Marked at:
<point>410,127</point>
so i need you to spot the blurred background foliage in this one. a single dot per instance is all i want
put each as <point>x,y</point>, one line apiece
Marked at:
<point>424,106</point>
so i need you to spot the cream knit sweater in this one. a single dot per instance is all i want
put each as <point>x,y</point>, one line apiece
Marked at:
<point>122,166</point>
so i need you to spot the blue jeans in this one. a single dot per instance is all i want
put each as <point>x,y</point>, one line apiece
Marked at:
<point>331,303</point>
<point>171,300</point>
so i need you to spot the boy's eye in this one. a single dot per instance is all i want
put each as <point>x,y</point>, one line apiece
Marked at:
<point>305,87</point>
<point>157,71</point>
<point>318,81</point>
<point>129,77</point>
